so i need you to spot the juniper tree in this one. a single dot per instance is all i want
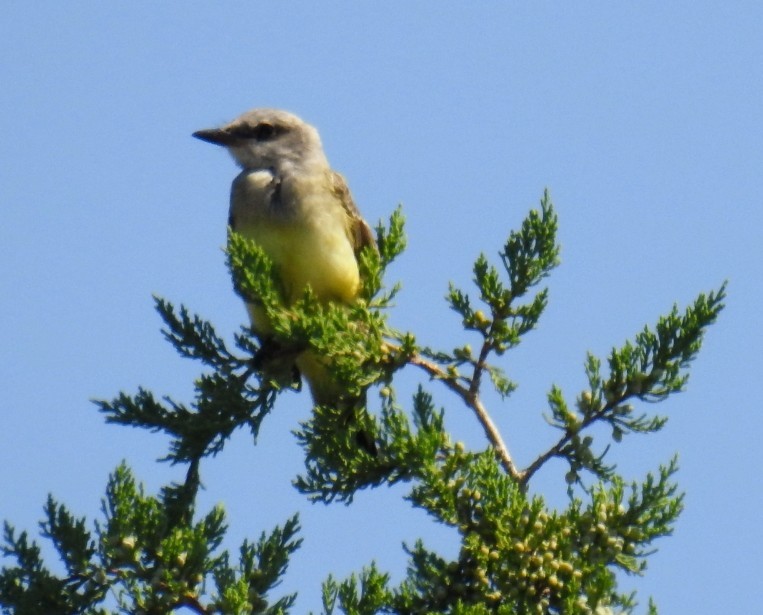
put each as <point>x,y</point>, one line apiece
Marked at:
<point>154,554</point>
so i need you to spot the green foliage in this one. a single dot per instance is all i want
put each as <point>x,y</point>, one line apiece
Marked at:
<point>261,566</point>
<point>226,399</point>
<point>517,555</point>
<point>145,558</point>
<point>390,244</point>
<point>650,368</point>
<point>362,594</point>
<point>528,256</point>
<point>337,467</point>
<point>30,588</point>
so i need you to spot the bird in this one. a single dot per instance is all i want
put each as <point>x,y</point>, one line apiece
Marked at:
<point>289,200</point>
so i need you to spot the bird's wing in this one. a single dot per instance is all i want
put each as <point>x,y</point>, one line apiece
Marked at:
<point>254,193</point>
<point>360,232</point>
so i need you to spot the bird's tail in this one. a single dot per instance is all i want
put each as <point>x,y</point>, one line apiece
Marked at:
<point>327,392</point>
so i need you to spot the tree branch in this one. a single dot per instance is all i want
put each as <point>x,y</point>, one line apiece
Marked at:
<point>554,451</point>
<point>472,400</point>
<point>479,365</point>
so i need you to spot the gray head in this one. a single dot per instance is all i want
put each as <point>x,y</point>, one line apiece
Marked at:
<point>268,139</point>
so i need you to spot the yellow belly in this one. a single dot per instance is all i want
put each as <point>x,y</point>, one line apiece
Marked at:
<point>313,249</point>
<point>316,253</point>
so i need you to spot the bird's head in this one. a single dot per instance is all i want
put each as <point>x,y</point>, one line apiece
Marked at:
<point>268,139</point>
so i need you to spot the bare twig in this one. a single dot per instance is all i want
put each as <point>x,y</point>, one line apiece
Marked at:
<point>556,449</point>
<point>472,400</point>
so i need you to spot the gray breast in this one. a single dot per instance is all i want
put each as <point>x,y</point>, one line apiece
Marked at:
<point>255,195</point>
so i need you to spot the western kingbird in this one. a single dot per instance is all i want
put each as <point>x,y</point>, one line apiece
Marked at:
<point>290,202</point>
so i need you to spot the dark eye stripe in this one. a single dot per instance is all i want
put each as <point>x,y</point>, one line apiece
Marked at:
<point>261,132</point>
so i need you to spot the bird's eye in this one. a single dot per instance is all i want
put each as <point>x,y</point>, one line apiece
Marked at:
<point>263,132</point>
<point>259,132</point>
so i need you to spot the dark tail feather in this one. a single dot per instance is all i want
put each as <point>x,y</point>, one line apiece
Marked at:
<point>356,415</point>
<point>366,442</point>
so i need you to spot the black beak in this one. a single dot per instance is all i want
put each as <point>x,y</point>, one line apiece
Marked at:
<point>218,136</point>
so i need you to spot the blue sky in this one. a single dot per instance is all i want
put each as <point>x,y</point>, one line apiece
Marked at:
<point>644,120</point>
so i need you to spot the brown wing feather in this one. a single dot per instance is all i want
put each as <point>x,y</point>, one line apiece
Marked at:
<point>360,232</point>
